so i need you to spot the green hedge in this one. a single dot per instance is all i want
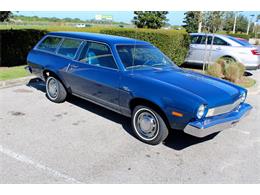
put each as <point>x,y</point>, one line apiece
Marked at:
<point>172,42</point>
<point>15,45</point>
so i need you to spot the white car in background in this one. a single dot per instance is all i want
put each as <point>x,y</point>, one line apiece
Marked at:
<point>224,46</point>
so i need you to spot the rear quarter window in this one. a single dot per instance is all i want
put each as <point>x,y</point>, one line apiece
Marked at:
<point>69,47</point>
<point>49,44</point>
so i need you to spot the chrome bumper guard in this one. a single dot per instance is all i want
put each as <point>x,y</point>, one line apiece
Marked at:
<point>207,126</point>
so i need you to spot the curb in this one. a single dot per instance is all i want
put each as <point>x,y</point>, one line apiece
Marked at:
<point>16,82</point>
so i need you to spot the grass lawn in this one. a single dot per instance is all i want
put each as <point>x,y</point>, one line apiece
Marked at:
<point>12,73</point>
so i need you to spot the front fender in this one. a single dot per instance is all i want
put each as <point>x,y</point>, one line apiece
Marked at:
<point>168,97</point>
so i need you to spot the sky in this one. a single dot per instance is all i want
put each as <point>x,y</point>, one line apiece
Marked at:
<point>175,17</point>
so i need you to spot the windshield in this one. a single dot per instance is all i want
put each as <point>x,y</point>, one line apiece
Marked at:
<point>139,56</point>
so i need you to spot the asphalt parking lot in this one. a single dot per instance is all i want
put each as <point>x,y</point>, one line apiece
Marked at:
<point>79,142</point>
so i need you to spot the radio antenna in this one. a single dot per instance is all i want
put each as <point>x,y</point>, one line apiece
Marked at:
<point>134,51</point>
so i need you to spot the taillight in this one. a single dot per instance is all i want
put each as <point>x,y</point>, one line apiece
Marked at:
<point>255,52</point>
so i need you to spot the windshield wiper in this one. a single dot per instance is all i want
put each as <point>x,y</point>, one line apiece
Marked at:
<point>158,65</point>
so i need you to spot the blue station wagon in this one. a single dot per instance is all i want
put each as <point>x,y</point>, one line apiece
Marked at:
<point>135,79</point>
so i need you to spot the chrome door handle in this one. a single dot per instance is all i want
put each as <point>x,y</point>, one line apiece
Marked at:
<point>71,66</point>
<point>74,66</point>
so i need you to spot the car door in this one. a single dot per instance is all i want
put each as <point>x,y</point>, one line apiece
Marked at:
<point>219,48</point>
<point>191,56</point>
<point>95,75</point>
<point>198,49</point>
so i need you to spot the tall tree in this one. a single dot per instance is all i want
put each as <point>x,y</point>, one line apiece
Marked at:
<point>241,22</point>
<point>213,20</point>
<point>5,15</point>
<point>229,19</point>
<point>191,21</point>
<point>150,19</point>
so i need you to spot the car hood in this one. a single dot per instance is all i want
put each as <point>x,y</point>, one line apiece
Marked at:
<point>214,91</point>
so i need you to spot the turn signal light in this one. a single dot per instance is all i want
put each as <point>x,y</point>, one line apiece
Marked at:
<point>178,114</point>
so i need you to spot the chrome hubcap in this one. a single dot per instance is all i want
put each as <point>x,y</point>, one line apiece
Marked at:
<point>53,88</point>
<point>146,125</point>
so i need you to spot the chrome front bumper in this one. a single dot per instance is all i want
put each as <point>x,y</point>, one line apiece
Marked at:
<point>207,126</point>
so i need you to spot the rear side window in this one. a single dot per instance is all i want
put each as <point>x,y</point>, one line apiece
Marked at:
<point>49,44</point>
<point>69,47</point>
<point>219,41</point>
<point>97,54</point>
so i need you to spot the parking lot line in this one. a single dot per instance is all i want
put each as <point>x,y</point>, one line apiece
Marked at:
<point>26,160</point>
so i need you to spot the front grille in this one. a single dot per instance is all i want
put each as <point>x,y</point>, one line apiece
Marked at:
<point>223,109</point>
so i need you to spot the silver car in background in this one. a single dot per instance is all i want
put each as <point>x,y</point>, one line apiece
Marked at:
<point>223,46</point>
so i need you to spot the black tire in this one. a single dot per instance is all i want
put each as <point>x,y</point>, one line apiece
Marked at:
<point>228,59</point>
<point>61,92</point>
<point>159,134</point>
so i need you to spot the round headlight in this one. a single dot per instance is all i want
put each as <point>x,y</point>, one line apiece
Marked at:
<point>201,111</point>
<point>243,96</point>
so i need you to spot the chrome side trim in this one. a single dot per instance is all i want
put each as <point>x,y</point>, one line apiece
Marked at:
<point>223,109</point>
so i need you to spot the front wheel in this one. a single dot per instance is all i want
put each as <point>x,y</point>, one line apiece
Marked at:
<point>55,90</point>
<point>148,125</point>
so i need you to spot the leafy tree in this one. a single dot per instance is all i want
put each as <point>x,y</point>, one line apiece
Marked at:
<point>150,19</point>
<point>241,24</point>
<point>229,21</point>
<point>213,21</point>
<point>191,21</point>
<point>5,15</point>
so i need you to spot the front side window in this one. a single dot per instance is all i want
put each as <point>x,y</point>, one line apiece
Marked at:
<point>138,56</point>
<point>194,39</point>
<point>69,47</point>
<point>97,54</point>
<point>49,44</point>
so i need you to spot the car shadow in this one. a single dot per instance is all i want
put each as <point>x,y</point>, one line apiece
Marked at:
<point>176,140</point>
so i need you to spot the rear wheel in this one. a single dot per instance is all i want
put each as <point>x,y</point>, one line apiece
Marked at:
<point>55,90</point>
<point>148,125</point>
<point>228,59</point>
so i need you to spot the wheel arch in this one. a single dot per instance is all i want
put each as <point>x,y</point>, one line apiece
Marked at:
<point>228,56</point>
<point>144,102</point>
<point>48,72</point>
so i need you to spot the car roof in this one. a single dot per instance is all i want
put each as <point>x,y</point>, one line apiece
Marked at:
<point>109,39</point>
<point>211,34</point>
